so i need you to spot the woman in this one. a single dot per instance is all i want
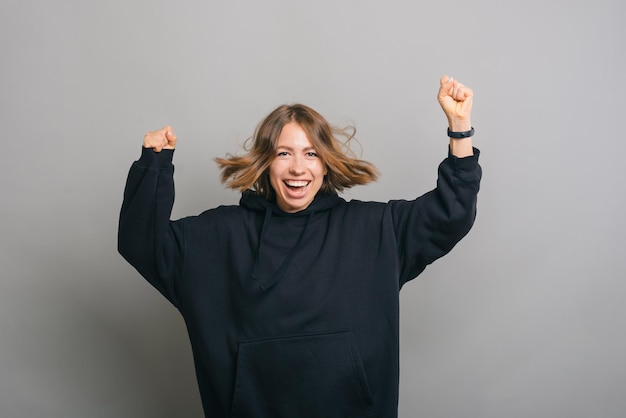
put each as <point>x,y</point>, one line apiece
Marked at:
<point>291,298</point>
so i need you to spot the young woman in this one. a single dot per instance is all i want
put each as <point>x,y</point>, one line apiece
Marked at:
<point>291,297</point>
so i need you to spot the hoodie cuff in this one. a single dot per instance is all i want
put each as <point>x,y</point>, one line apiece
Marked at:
<point>470,159</point>
<point>152,159</point>
<point>465,165</point>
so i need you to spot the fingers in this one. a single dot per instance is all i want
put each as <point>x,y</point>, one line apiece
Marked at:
<point>454,89</point>
<point>455,99</point>
<point>164,138</point>
<point>461,92</point>
<point>446,80</point>
<point>171,139</point>
<point>446,84</point>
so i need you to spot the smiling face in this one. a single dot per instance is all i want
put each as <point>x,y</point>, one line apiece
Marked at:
<point>297,172</point>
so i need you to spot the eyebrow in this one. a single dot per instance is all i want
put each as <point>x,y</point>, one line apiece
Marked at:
<point>291,149</point>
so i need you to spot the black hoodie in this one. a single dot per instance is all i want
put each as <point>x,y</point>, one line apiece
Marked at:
<point>292,315</point>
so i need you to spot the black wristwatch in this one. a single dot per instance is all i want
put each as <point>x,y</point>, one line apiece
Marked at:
<point>461,135</point>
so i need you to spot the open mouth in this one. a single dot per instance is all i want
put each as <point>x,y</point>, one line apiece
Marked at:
<point>296,185</point>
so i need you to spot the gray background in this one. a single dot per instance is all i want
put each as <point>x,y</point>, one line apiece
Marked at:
<point>524,318</point>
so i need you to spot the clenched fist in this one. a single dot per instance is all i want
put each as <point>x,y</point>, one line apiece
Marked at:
<point>160,140</point>
<point>456,101</point>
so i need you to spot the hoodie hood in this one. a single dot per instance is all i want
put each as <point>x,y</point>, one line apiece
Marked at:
<point>323,201</point>
<point>281,233</point>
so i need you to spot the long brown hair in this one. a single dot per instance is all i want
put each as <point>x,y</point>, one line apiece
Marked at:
<point>250,171</point>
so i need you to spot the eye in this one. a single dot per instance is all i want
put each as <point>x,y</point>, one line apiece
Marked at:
<point>282,154</point>
<point>311,154</point>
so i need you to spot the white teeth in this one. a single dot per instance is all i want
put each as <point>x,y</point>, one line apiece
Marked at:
<point>296,183</point>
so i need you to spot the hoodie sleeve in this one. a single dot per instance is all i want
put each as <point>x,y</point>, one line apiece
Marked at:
<point>147,239</point>
<point>430,226</point>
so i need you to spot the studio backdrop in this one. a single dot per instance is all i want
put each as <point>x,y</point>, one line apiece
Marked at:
<point>524,317</point>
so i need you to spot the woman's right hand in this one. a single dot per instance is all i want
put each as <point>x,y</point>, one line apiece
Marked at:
<point>164,138</point>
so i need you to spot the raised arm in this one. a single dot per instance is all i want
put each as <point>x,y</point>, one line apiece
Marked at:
<point>147,238</point>
<point>431,225</point>
<point>456,101</point>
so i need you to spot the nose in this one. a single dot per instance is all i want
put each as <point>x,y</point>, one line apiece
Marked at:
<point>297,166</point>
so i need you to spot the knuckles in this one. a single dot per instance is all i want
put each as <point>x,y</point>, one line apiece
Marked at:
<point>159,140</point>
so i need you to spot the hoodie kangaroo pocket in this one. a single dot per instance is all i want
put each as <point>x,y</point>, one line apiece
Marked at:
<point>311,376</point>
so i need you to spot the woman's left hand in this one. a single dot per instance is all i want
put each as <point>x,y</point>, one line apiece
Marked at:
<point>456,101</point>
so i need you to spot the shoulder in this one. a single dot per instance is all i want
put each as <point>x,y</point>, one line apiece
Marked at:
<point>364,205</point>
<point>225,213</point>
<point>220,216</point>
<point>362,208</point>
